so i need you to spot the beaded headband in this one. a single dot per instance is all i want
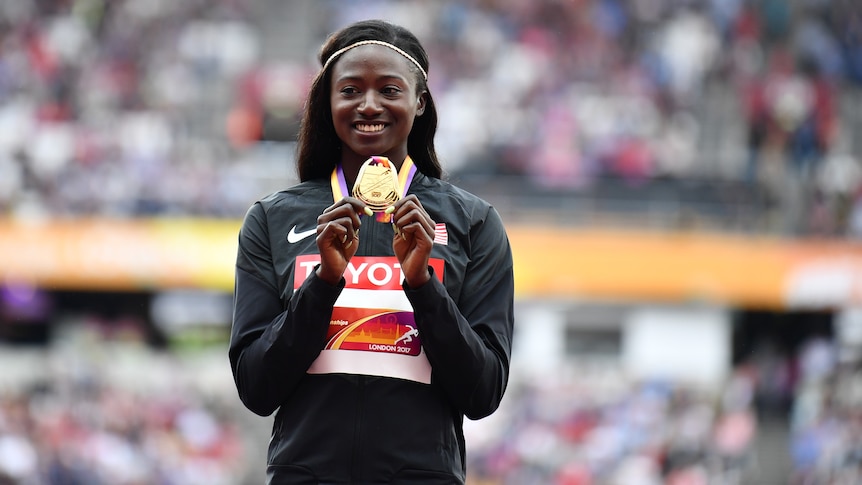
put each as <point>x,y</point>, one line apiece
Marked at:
<point>375,42</point>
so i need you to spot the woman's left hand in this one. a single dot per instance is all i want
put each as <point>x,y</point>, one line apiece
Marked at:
<point>414,238</point>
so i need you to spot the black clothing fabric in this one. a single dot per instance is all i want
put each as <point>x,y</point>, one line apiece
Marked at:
<point>343,427</point>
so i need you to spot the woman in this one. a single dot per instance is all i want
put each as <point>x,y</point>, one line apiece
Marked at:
<point>371,347</point>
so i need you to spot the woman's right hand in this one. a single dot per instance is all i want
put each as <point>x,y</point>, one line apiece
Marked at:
<point>338,237</point>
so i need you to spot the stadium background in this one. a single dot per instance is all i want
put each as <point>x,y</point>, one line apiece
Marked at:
<point>680,180</point>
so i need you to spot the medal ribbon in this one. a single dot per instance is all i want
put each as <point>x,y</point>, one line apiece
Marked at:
<point>405,177</point>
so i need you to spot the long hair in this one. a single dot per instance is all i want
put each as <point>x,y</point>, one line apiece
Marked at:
<point>320,148</point>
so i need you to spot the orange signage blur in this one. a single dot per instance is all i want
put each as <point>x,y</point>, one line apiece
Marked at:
<point>119,255</point>
<point>663,266</point>
<point>549,262</point>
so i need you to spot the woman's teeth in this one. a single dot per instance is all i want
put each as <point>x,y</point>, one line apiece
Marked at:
<point>369,128</point>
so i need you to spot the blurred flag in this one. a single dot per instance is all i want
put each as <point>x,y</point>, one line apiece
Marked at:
<point>441,236</point>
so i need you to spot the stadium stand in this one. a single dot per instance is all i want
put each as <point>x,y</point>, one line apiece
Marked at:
<point>735,117</point>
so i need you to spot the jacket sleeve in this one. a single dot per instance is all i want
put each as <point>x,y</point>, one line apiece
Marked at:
<point>469,344</point>
<point>273,344</point>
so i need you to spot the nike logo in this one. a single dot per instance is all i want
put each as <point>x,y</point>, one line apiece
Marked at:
<point>294,237</point>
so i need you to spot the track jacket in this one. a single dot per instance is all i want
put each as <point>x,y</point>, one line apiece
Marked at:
<point>371,378</point>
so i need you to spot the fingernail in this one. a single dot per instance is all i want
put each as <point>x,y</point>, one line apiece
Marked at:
<point>390,209</point>
<point>349,244</point>
<point>344,239</point>
<point>368,211</point>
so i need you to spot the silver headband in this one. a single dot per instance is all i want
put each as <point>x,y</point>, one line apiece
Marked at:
<point>375,42</point>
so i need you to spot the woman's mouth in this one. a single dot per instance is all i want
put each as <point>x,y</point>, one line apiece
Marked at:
<point>366,128</point>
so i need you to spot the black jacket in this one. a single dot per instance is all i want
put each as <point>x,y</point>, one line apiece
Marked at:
<point>343,425</point>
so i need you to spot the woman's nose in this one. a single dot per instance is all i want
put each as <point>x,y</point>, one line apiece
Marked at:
<point>369,104</point>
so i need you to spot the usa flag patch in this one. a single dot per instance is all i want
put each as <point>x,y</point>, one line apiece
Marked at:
<point>441,236</point>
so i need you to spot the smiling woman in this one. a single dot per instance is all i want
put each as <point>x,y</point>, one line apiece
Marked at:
<point>338,332</point>
<point>321,147</point>
<point>373,104</point>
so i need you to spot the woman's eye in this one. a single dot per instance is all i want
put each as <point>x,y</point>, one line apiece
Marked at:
<point>349,90</point>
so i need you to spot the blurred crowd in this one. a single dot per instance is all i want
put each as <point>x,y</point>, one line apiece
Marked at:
<point>826,445</point>
<point>620,432</point>
<point>159,108</point>
<point>592,425</point>
<point>826,419</point>
<point>581,92</point>
<point>99,408</point>
<point>117,108</point>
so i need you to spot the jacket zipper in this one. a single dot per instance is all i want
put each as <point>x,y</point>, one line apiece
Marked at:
<point>356,458</point>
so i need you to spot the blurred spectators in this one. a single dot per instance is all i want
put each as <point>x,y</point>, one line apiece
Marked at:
<point>118,108</point>
<point>587,91</point>
<point>597,427</point>
<point>592,425</point>
<point>826,423</point>
<point>128,109</point>
<point>101,408</point>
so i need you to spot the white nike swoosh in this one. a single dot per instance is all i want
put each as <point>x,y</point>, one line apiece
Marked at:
<point>293,236</point>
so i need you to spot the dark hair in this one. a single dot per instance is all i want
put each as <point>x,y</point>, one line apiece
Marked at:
<point>319,146</point>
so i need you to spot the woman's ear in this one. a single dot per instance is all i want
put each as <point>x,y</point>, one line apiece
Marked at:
<point>420,104</point>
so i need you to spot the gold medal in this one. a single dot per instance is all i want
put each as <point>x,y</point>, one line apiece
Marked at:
<point>377,184</point>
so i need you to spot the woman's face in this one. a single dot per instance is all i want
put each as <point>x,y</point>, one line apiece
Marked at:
<point>374,102</point>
